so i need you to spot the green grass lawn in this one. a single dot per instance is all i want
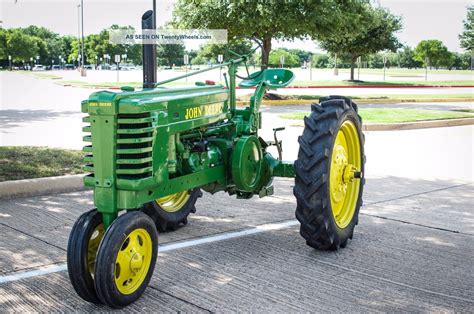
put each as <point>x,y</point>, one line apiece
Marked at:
<point>22,162</point>
<point>401,97</point>
<point>394,115</point>
<point>383,83</point>
<point>407,72</point>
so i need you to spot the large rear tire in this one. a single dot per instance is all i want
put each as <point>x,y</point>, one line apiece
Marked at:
<point>171,211</point>
<point>329,173</point>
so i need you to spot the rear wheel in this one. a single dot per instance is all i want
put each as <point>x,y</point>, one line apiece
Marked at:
<point>126,259</point>
<point>169,212</point>
<point>329,174</point>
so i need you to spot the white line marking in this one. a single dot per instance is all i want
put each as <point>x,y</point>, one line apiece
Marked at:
<point>33,273</point>
<point>227,235</point>
<point>163,248</point>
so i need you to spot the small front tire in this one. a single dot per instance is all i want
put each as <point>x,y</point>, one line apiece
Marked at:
<point>83,243</point>
<point>126,259</point>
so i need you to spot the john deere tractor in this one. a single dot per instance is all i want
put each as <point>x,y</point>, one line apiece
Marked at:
<point>152,151</point>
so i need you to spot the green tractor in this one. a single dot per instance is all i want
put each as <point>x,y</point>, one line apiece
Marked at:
<point>152,151</point>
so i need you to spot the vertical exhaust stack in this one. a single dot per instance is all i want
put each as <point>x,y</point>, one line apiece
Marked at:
<point>149,52</point>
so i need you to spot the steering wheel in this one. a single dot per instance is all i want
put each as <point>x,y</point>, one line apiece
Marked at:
<point>253,75</point>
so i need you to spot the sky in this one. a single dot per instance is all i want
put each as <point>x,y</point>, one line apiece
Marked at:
<point>422,19</point>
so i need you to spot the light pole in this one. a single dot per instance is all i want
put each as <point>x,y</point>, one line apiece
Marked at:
<point>37,59</point>
<point>82,35</point>
<point>79,28</point>
<point>427,60</point>
<point>10,62</point>
<point>31,63</point>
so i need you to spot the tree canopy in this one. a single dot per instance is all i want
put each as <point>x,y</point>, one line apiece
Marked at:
<point>467,36</point>
<point>376,34</point>
<point>278,19</point>
<point>209,52</point>
<point>433,52</point>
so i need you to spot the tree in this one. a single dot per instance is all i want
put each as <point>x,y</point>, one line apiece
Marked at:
<point>18,45</point>
<point>406,58</point>
<point>433,52</point>
<point>211,51</point>
<point>170,54</point>
<point>320,60</point>
<point>303,55</point>
<point>467,36</point>
<point>461,61</point>
<point>377,34</point>
<point>266,21</point>
<point>291,59</point>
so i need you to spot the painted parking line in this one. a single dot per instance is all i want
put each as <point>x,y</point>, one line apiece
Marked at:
<point>163,248</point>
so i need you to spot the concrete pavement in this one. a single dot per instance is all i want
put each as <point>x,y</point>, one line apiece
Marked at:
<point>410,252</point>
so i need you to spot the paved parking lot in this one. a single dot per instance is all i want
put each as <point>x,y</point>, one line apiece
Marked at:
<point>412,251</point>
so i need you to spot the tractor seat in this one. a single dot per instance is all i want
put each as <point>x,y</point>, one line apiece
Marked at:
<point>273,78</point>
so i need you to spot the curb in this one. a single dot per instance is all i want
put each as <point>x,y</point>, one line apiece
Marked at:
<point>366,101</point>
<point>382,86</point>
<point>41,186</point>
<point>411,125</point>
<point>417,125</point>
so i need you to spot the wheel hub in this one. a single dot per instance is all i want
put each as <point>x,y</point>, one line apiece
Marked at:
<point>136,263</point>
<point>133,261</point>
<point>344,168</point>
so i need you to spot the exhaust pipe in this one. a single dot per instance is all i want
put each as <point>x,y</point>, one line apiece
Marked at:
<point>149,52</point>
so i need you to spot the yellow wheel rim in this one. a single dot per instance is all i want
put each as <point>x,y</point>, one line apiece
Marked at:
<point>133,261</point>
<point>345,164</point>
<point>174,202</point>
<point>92,247</point>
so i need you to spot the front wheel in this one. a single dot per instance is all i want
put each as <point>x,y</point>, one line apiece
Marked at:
<point>126,259</point>
<point>329,174</point>
<point>83,242</point>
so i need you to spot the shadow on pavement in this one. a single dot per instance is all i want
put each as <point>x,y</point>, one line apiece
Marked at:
<point>13,118</point>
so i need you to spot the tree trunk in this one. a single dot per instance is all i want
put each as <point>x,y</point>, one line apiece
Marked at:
<point>267,46</point>
<point>353,61</point>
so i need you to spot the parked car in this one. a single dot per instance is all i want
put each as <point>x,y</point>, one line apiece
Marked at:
<point>69,67</point>
<point>89,67</point>
<point>56,67</point>
<point>39,67</point>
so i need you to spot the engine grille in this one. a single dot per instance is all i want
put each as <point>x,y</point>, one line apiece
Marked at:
<point>134,146</point>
